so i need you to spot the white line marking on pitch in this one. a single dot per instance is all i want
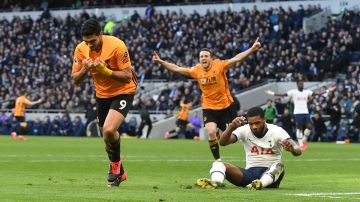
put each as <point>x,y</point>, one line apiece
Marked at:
<point>153,158</point>
<point>328,195</point>
<point>79,158</point>
<point>319,194</point>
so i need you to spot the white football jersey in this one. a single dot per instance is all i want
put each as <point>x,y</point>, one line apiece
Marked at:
<point>300,100</point>
<point>265,151</point>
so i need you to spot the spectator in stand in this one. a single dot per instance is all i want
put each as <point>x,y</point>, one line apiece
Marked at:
<point>356,123</point>
<point>47,126</point>
<point>195,121</point>
<point>334,110</point>
<point>91,116</point>
<point>55,127</point>
<point>37,127</point>
<point>78,128</point>
<point>65,124</point>
<point>132,126</point>
<point>270,112</point>
<point>3,116</point>
<point>280,107</point>
<point>288,123</point>
<point>4,123</point>
<point>343,132</point>
<point>346,104</point>
<point>145,117</point>
<point>235,106</point>
<point>320,129</point>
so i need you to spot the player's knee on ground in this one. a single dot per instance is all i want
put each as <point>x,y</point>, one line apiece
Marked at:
<point>217,172</point>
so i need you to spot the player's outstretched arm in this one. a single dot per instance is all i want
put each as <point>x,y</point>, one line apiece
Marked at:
<point>31,103</point>
<point>269,92</point>
<point>237,58</point>
<point>170,66</point>
<point>78,76</point>
<point>290,146</point>
<point>325,91</point>
<point>226,138</point>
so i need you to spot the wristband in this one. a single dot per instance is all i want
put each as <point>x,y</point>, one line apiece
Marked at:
<point>104,70</point>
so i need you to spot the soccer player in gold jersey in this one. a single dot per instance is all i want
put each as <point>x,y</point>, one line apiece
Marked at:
<point>108,61</point>
<point>216,99</point>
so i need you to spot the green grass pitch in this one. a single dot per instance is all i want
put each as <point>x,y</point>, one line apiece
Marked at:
<point>74,169</point>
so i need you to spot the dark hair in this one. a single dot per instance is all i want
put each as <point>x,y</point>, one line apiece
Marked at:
<point>255,111</point>
<point>90,27</point>
<point>207,50</point>
<point>23,92</point>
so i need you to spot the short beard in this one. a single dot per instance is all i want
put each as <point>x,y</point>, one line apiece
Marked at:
<point>262,133</point>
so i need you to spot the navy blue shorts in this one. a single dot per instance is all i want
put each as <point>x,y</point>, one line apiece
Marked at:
<point>301,120</point>
<point>255,173</point>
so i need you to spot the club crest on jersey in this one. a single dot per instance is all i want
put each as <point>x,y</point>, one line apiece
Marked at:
<point>125,57</point>
<point>208,80</point>
<point>76,61</point>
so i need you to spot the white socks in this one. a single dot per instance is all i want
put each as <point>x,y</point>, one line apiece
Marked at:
<point>307,133</point>
<point>302,136</point>
<point>272,174</point>
<point>299,135</point>
<point>217,172</point>
<point>266,180</point>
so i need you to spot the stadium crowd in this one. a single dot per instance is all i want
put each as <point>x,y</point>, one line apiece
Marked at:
<point>37,53</point>
<point>335,114</point>
<point>34,5</point>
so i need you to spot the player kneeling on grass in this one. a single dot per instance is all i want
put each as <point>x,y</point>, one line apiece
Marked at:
<point>263,144</point>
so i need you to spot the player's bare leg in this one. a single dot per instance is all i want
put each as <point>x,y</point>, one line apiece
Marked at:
<point>233,174</point>
<point>111,138</point>
<point>211,129</point>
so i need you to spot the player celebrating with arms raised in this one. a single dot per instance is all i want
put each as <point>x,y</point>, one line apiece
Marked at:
<point>300,97</point>
<point>263,144</point>
<point>108,61</point>
<point>216,98</point>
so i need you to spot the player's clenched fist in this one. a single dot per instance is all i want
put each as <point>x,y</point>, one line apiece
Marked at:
<point>237,122</point>
<point>88,63</point>
<point>98,61</point>
<point>100,66</point>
